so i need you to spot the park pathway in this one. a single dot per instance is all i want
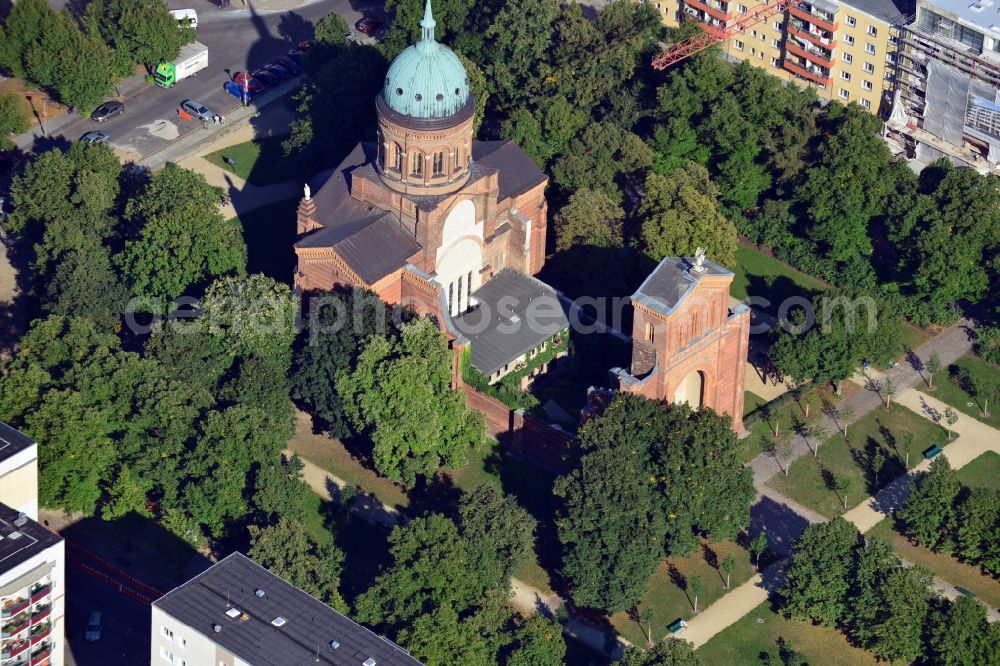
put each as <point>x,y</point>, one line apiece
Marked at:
<point>524,597</point>
<point>974,438</point>
<point>950,344</point>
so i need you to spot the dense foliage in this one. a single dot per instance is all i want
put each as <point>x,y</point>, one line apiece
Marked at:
<point>645,479</point>
<point>13,119</point>
<point>838,577</point>
<point>943,515</point>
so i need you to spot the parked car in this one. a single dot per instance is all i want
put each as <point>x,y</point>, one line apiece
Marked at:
<point>246,79</point>
<point>368,24</point>
<point>289,64</point>
<point>107,111</point>
<point>197,109</point>
<point>93,632</point>
<point>298,55</point>
<point>283,73</point>
<point>95,137</point>
<point>266,77</point>
<point>236,90</point>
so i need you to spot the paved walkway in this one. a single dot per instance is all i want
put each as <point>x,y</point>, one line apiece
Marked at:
<point>949,345</point>
<point>524,597</point>
<point>973,439</point>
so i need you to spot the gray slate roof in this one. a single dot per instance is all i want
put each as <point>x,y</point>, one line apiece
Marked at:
<point>516,313</point>
<point>12,441</point>
<point>309,624</point>
<point>670,283</point>
<point>33,539</point>
<point>518,172</point>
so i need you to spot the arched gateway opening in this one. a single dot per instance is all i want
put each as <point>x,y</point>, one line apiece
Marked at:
<point>691,390</point>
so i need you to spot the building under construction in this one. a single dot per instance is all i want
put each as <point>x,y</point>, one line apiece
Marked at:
<point>947,101</point>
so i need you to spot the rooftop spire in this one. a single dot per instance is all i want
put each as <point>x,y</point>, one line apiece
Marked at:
<point>428,24</point>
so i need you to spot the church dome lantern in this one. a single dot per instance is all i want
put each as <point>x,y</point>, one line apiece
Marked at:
<point>426,80</point>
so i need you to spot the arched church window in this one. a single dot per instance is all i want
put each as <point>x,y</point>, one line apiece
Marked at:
<point>417,167</point>
<point>397,158</point>
<point>649,332</point>
<point>438,164</point>
<point>458,158</point>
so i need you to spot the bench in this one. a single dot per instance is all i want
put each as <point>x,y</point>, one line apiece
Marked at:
<point>933,451</point>
<point>676,625</point>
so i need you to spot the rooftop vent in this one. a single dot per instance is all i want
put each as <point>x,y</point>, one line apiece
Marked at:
<point>21,520</point>
<point>369,662</point>
<point>14,535</point>
<point>259,593</point>
<point>233,612</point>
<point>335,644</point>
<point>216,628</point>
<point>278,621</point>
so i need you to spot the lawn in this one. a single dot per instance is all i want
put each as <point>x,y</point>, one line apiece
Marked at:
<point>763,276</point>
<point>812,481</point>
<point>666,594</point>
<point>948,389</point>
<point>751,401</point>
<point>269,232</point>
<point>983,472</point>
<point>261,161</point>
<point>759,632</point>
<point>913,336</point>
<point>948,568</point>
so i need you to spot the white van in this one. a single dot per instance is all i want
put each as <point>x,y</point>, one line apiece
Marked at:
<point>185,17</point>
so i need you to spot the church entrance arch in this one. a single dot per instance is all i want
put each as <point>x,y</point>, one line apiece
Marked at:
<point>691,390</point>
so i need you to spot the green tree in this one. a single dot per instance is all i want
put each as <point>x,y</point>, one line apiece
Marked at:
<point>400,396</point>
<point>903,607</point>
<point>331,30</point>
<point>697,587</point>
<point>817,582</point>
<point>599,159</point>
<point>978,526</point>
<point>251,314</point>
<point>544,134</point>
<point>874,561</point>
<point>478,87</point>
<point>79,82</point>
<point>13,119</point>
<point>959,634</point>
<point>668,652</point>
<point>140,31</point>
<point>728,565</point>
<point>23,28</point>
<point>589,218</point>
<point>610,524</point>
<point>679,213</point>
<point>951,418</point>
<point>500,532</point>
<point>450,17</point>
<point>537,642</point>
<point>933,365</point>
<point>518,38</point>
<point>178,239</point>
<point>286,550</point>
<point>757,546</point>
<point>930,506</point>
<point>339,327</point>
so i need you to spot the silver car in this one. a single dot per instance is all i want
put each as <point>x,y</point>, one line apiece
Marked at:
<point>95,137</point>
<point>93,632</point>
<point>197,109</point>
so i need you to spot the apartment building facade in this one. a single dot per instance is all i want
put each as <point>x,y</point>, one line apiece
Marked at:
<point>948,99</point>
<point>844,50</point>
<point>18,471</point>
<point>32,592</point>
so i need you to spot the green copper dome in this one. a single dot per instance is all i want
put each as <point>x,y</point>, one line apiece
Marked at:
<point>426,80</point>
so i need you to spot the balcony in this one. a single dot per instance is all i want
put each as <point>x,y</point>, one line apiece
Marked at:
<point>800,70</point>
<point>816,38</point>
<point>39,593</point>
<point>40,614</point>
<point>41,656</point>
<point>714,11</point>
<point>39,633</point>
<point>821,21</point>
<point>16,627</point>
<point>821,59</point>
<point>14,650</point>
<point>15,607</point>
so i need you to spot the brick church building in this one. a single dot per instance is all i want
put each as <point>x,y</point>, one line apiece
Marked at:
<point>426,216</point>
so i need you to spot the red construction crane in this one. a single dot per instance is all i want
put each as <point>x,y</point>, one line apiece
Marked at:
<point>715,34</point>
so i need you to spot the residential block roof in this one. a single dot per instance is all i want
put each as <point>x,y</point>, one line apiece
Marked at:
<point>266,621</point>
<point>12,441</point>
<point>21,538</point>
<point>515,313</point>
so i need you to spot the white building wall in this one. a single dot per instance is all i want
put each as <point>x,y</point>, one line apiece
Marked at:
<point>52,558</point>
<point>19,481</point>
<point>460,254</point>
<point>188,647</point>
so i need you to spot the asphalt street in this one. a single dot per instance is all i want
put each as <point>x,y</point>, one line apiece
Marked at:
<point>237,39</point>
<point>125,623</point>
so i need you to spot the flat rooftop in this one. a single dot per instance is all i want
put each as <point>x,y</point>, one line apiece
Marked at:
<point>891,11</point>
<point>12,441</point>
<point>982,13</point>
<point>264,620</point>
<point>21,538</point>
